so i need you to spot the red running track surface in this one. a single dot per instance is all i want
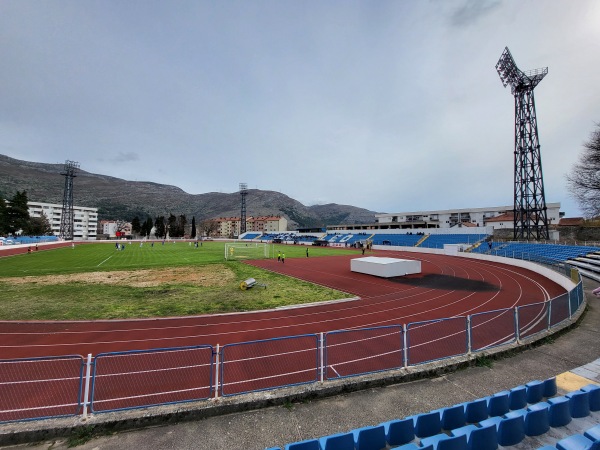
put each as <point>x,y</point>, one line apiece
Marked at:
<point>448,286</point>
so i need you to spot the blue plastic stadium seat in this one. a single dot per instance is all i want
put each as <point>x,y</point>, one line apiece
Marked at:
<point>310,444</point>
<point>479,438</point>
<point>427,424</point>
<point>550,388</point>
<point>593,433</point>
<point>577,442</point>
<point>579,403</point>
<point>476,410</point>
<point>511,430</point>
<point>413,447</point>
<point>498,404</point>
<point>452,417</point>
<point>399,432</point>
<point>517,397</point>
<point>546,447</point>
<point>594,392</point>
<point>273,448</point>
<point>559,413</point>
<point>535,391</point>
<point>444,442</point>
<point>338,441</point>
<point>369,438</point>
<point>536,418</point>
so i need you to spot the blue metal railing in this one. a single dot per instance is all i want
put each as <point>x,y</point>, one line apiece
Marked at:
<point>136,379</point>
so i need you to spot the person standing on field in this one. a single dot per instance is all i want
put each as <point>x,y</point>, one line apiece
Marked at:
<point>283,258</point>
<point>278,256</point>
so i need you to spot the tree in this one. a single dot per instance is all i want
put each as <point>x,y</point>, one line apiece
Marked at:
<point>584,180</point>
<point>147,227</point>
<point>172,226</point>
<point>17,213</point>
<point>159,227</point>
<point>209,226</point>
<point>181,224</point>
<point>3,217</point>
<point>136,226</point>
<point>193,232</point>
<point>39,226</point>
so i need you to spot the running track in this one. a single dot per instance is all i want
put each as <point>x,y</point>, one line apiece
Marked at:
<point>448,286</point>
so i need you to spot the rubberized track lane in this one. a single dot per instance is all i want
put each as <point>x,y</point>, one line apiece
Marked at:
<point>448,286</point>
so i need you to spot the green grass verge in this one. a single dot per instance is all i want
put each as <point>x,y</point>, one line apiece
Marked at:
<point>81,300</point>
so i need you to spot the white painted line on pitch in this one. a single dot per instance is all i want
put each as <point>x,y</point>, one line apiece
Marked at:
<point>104,261</point>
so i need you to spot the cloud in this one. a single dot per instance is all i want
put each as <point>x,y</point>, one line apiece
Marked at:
<point>127,157</point>
<point>472,11</point>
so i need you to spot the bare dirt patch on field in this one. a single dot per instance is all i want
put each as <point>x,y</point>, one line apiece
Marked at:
<point>208,276</point>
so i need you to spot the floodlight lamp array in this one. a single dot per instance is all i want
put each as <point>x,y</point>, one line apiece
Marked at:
<point>511,75</point>
<point>70,167</point>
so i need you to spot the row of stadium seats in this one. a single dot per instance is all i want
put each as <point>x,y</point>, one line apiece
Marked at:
<point>504,419</point>
<point>535,252</point>
<point>400,240</point>
<point>33,239</point>
<point>438,240</point>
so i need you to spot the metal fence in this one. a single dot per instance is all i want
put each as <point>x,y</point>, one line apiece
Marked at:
<point>70,385</point>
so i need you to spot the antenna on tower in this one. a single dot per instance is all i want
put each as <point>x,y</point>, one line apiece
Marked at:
<point>66,219</point>
<point>530,212</point>
<point>243,193</point>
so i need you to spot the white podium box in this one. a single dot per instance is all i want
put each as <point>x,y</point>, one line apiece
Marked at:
<point>385,267</point>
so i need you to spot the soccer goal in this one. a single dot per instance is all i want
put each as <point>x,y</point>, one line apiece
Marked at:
<point>250,250</point>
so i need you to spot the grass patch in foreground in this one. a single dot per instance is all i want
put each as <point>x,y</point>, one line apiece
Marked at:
<point>205,285</point>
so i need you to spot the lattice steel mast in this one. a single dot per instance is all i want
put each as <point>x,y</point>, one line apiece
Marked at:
<point>243,193</point>
<point>531,218</point>
<point>67,217</point>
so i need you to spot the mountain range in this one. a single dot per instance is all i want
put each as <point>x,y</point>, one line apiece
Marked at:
<point>118,199</point>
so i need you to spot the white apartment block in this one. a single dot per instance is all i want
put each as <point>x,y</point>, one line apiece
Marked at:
<point>85,220</point>
<point>473,217</point>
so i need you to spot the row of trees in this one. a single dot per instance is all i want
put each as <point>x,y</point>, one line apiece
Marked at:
<point>15,218</point>
<point>172,226</point>
<point>584,180</point>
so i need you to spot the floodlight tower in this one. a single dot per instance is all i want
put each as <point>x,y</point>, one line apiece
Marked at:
<point>531,218</point>
<point>243,193</point>
<point>66,219</point>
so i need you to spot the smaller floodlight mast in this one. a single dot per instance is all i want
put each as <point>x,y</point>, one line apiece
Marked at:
<point>67,217</point>
<point>531,219</point>
<point>243,193</point>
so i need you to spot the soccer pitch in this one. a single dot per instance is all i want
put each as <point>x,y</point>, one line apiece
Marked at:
<point>97,281</point>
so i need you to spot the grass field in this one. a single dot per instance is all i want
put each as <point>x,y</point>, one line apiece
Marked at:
<point>95,281</point>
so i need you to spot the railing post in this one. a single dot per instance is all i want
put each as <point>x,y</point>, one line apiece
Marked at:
<point>469,330</point>
<point>517,332</point>
<point>217,370</point>
<point>322,357</point>
<point>549,313</point>
<point>570,309</point>
<point>86,394</point>
<point>405,345</point>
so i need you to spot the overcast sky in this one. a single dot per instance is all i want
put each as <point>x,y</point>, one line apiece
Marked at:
<point>387,105</point>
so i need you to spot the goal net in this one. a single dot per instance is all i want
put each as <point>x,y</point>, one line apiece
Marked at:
<point>254,250</point>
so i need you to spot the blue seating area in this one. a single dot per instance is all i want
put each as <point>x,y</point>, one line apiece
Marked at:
<point>503,419</point>
<point>32,240</point>
<point>346,238</point>
<point>250,236</point>
<point>306,238</point>
<point>438,240</point>
<point>484,247</point>
<point>400,240</point>
<point>542,252</point>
